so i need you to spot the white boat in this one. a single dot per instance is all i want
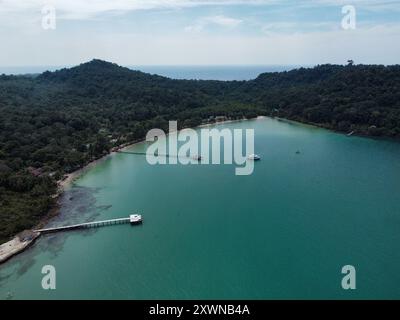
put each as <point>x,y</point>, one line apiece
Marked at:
<point>254,157</point>
<point>135,219</point>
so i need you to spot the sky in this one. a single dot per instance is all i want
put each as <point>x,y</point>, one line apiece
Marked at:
<point>198,32</point>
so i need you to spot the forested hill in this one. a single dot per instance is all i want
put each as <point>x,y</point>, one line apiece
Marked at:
<point>364,99</point>
<point>56,122</point>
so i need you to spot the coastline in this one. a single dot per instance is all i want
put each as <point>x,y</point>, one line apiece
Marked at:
<point>27,238</point>
<point>345,133</point>
<point>18,244</point>
<point>15,246</point>
<point>69,178</point>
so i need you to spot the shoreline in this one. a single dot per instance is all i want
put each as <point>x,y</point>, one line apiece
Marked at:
<point>348,134</point>
<point>19,244</point>
<point>27,238</point>
<point>69,178</point>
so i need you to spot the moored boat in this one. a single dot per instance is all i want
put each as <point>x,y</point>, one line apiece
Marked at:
<point>254,157</point>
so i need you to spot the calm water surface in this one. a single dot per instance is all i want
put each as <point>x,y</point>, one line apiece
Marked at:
<point>223,73</point>
<point>283,232</point>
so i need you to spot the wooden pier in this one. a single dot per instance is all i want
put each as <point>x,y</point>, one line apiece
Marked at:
<point>145,154</point>
<point>196,157</point>
<point>132,219</point>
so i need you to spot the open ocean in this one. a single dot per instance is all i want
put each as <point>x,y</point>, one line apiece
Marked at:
<point>179,72</point>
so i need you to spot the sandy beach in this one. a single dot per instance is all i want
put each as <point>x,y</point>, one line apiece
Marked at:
<point>16,245</point>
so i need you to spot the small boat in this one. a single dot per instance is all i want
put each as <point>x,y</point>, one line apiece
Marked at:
<point>350,134</point>
<point>135,219</point>
<point>254,157</point>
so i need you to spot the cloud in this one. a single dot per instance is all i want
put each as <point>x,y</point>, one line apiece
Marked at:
<point>91,9</point>
<point>82,9</point>
<point>286,27</point>
<point>86,9</point>
<point>365,45</point>
<point>369,5</point>
<point>298,38</point>
<point>224,21</point>
<point>219,20</point>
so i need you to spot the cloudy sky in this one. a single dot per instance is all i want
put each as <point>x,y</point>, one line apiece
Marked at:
<point>199,32</point>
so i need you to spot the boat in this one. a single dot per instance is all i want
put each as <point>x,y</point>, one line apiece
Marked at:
<point>254,157</point>
<point>135,219</point>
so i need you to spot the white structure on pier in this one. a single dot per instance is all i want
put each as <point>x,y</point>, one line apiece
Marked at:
<point>135,218</point>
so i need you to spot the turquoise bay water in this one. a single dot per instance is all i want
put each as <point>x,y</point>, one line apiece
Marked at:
<point>283,232</point>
